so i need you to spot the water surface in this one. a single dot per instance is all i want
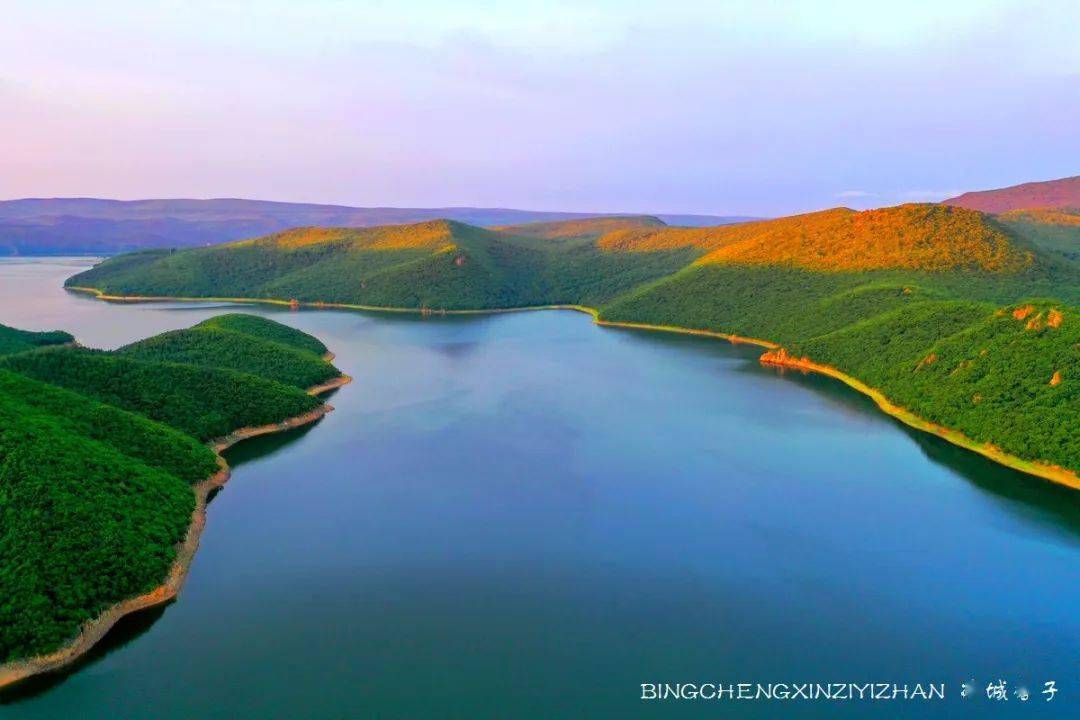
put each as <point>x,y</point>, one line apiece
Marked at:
<point>526,515</point>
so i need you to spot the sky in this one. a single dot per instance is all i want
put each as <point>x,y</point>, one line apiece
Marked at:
<point>749,108</point>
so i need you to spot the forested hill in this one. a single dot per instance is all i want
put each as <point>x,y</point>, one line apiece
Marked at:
<point>1047,213</point>
<point>1056,230</point>
<point>594,227</point>
<point>15,340</point>
<point>915,299</point>
<point>99,452</point>
<point>448,265</point>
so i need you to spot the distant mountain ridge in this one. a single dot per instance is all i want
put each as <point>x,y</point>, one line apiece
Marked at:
<point>57,226</point>
<point>1062,193</point>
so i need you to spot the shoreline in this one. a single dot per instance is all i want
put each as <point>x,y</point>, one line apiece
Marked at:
<point>94,630</point>
<point>1045,471</point>
<point>1054,473</point>
<point>319,305</point>
<point>733,339</point>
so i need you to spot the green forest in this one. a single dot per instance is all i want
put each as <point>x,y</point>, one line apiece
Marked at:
<point>212,347</point>
<point>204,402</point>
<point>15,340</point>
<point>99,452</point>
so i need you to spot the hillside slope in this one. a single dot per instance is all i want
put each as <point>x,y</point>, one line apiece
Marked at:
<point>1051,193</point>
<point>1006,376</point>
<point>437,265</point>
<point>14,340</point>
<point>1054,229</point>
<point>453,266</point>
<point>590,227</point>
<point>215,345</point>
<point>909,237</point>
<point>82,526</point>
<point>98,457</point>
<point>204,402</point>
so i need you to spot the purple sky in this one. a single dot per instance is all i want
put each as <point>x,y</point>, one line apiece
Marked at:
<point>658,106</point>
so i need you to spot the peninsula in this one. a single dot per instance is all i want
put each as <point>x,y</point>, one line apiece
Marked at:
<point>107,460</point>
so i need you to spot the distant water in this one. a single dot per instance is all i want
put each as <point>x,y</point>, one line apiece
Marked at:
<point>527,516</point>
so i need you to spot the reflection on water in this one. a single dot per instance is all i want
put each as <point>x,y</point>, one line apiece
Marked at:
<point>127,630</point>
<point>1039,500</point>
<point>131,627</point>
<point>266,446</point>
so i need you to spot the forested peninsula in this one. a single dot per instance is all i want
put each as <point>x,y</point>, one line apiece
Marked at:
<point>965,321</point>
<point>107,459</point>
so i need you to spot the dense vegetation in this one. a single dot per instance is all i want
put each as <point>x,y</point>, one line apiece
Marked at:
<point>265,329</point>
<point>1005,376</point>
<point>13,340</point>
<point>1053,229</point>
<point>591,227</point>
<point>204,402</point>
<point>438,265</point>
<point>216,347</point>
<point>98,453</point>
<point>873,293</point>
<point>913,237</point>
<point>150,442</point>
<point>448,265</point>
<point>82,526</point>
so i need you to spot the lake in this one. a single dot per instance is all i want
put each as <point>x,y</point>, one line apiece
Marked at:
<point>528,516</point>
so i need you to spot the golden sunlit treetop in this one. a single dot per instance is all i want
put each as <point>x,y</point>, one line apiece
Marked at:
<point>583,227</point>
<point>431,235</point>
<point>914,237</point>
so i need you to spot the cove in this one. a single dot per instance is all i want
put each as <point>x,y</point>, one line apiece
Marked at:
<point>525,515</point>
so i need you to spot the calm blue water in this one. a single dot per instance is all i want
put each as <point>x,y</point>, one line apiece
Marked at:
<point>528,516</point>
